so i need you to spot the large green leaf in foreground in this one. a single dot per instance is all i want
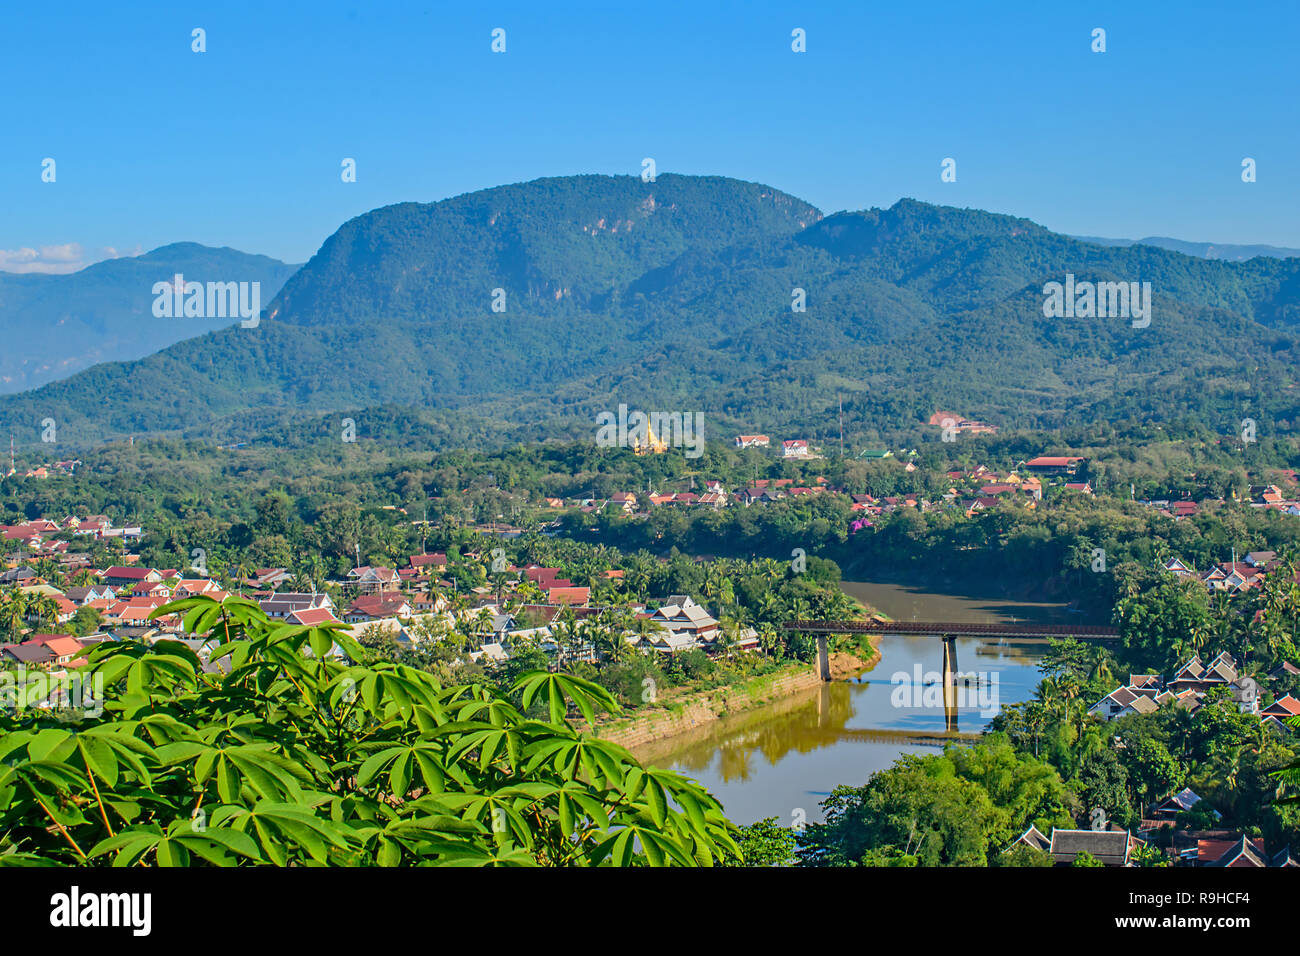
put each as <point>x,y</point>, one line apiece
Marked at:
<point>294,758</point>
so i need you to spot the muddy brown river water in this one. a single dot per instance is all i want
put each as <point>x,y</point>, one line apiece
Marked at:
<point>784,758</point>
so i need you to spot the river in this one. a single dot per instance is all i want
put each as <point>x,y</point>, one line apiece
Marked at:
<point>784,758</point>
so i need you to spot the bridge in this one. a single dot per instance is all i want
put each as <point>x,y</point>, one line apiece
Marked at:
<point>948,632</point>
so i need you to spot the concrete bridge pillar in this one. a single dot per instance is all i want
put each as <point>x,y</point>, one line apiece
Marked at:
<point>950,682</point>
<point>823,658</point>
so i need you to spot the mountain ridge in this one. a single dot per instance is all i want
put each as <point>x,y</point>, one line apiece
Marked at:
<point>1233,252</point>
<point>55,325</point>
<point>678,294</point>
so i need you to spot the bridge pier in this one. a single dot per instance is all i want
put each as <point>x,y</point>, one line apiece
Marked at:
<point>823,658</point>
<point>948,632</point>
<point>950,682</point>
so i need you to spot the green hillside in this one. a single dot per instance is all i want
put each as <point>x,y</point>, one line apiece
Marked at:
<point>55,325</point>
<point>676,295</point>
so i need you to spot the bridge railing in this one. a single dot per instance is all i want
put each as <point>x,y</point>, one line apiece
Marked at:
<point>953,629</point>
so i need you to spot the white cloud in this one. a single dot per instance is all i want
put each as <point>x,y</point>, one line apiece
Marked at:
<point>58,260</point>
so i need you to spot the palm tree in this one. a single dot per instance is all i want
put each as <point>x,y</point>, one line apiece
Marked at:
<point>530,592</point>
<point>301,577</point>
<point>483,622</point>
<point>466,628</point>
<point>13,611</point>
<point>638,574</point>
<point>645,628</point>
<point>85,578</point>
<point>610,635</point>
<point>727,636</point>
<point>571,635</point>
<point>243,568</point>
<point>840,605</point>
<point>47,570</point>
<point>393,542</point>
<point>767,569</point>
<point>713,579</point>
<point>316,571</point>
<point>1091,741</point>
<point>743,616</point>
<point>1053,697</point>
<point>1036,721</point>
<point>726,593</point>
<point>1233,769</point>
<point>436,594</point>
<point>46,609</point>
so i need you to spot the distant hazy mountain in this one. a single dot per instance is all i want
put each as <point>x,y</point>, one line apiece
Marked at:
<point>677,296</point>
<point>54,325</point>
<point>1202,250</point>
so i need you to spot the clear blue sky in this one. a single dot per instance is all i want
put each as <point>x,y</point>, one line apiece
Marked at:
<point>241,145</point>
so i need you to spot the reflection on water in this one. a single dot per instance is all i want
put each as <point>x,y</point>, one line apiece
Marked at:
<point>905,602</point>
<point>782,759</point>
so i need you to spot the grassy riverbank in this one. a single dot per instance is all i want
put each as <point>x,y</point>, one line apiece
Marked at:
<point>684,711</point>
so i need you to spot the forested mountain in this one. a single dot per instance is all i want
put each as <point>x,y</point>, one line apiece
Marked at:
<point>677,295</point>
<point>55,325</point>
<point>1205,250</point>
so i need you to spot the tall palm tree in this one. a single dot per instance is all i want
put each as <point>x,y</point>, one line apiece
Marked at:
<point>530,592</point>
<point>316,571</point>
<point>570,635</point>
<point>727,593</point>
<point>466,628</point>
<point>728,636</point>
<point>436,594</point>
<point>46,610</point>
<point>399,546</point>
<point>713,579</point>
<point>13,611</point>
<point>482,622</point>
<point>243,568</point>
<point>301,577</point>
<point>773,569</point>
<point>611,640</point>
<point>1036,716</point>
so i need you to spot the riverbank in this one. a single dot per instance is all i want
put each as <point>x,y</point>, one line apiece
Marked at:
<point>787,755</point>
<point>681,715</point>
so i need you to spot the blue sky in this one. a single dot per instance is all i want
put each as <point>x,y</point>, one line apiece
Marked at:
<point>242,145</point>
